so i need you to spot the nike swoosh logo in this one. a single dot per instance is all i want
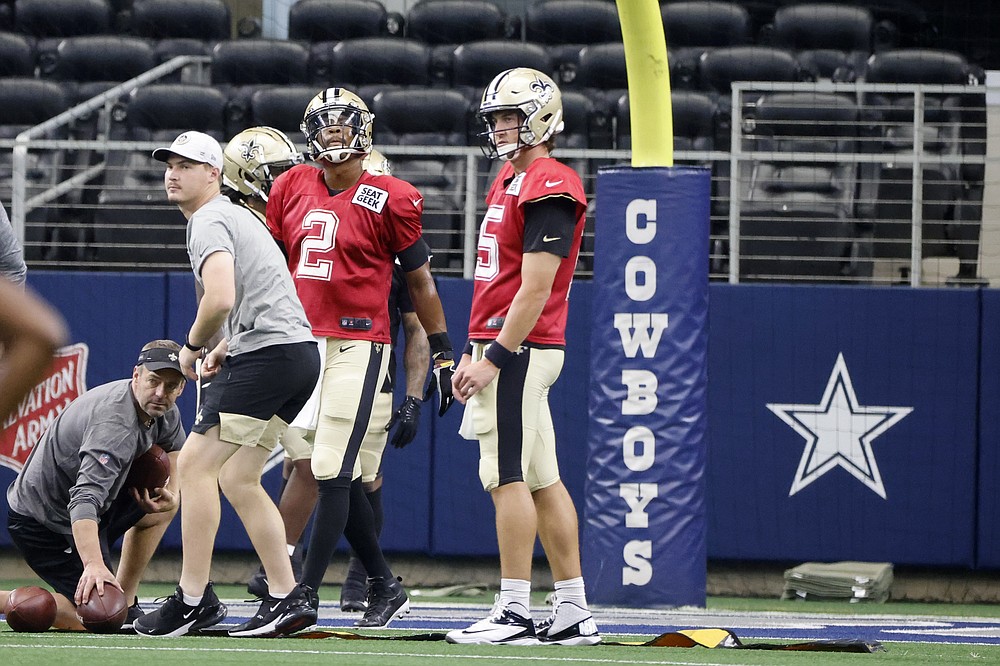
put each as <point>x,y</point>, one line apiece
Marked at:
<point>189,613</point>
<point>552,183</point>
<point>549,239</point>
<point>346,347</point>
<point>416,202</point>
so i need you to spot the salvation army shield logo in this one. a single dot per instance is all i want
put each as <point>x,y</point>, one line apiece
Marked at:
<point>64,383</point>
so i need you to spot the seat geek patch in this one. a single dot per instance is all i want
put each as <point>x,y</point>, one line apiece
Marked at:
<point>370,197</point>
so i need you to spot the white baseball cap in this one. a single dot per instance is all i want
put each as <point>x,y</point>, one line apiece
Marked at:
<point>196,146</point>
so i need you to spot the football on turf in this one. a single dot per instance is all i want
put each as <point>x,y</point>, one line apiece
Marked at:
<point>149,471</point>
<point>104,614</point>
<point>31,608</point>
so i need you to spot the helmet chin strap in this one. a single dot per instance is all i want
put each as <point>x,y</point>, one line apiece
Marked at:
<point>338,155</point>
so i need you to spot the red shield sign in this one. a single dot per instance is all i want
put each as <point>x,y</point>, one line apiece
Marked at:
<point>64,383</point>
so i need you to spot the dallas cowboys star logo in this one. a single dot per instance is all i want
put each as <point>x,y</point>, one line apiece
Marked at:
<point>839,432</point>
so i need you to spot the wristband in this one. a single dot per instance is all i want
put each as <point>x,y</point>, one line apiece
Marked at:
<point>439,342</point>
<point>468,348</point>
<point>190,346</point>
<point>497,354</point>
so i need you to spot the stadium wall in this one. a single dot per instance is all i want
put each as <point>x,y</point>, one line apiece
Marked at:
<point>844,422</point>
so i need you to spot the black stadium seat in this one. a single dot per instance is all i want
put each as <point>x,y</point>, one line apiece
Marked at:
<point>62,18</point>
<point>455,21</point>
<point>242,62</point>
<point>371,60</point>
<point>17,55</point>
<point>832,41</point>
<point>952,126</point>
<point>797,218</point>
<point>25,102</point>
<point>572,22</point>
<point>333,20</point>
<point>98,58</point>
<point>281,107</point>
<point>135,228</point>
<point>476,63</point>
<point>429,117</point>
<point>705,24</point>
<point>205,20</point>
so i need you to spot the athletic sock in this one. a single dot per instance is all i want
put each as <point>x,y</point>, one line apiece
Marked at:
<point>331,517</point>
<point>572,589</point>
<point>360,533</point>
<point>516,591</point>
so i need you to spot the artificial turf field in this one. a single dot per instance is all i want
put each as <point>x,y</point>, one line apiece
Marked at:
<point>909,633</point>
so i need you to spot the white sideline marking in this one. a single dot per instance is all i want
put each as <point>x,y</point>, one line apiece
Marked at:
<point>416,655</point>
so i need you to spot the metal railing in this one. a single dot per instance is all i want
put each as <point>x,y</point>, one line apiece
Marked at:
<point>453,207</point>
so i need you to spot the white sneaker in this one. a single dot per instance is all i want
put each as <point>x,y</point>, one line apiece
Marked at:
<point>569,624</point>
<point>504,626</point>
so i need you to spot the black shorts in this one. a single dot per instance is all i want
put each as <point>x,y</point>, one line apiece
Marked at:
<point>53,556</point>
<point>268,382</point>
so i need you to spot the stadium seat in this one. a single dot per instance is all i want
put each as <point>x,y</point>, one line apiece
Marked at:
<point>429,117</point>
<point>602,66</point>
<point>476,63</point>
<point>718,68</point>
<point>832,41</point>
<point>135,228</point>
<point>170,47</point>
<point>17,55</point>
<point>572,22</point>
<point>705,24</point>
<point>242,62</point>
<point>204,20</point>
<point>98,58</point>
<point>797,218</point>
<point>51,234</point>
<point>62,18</point>
<point>334,20</point>
<point>370,60</point>
<point>952,126</point>
<point>282,108</point>
<point>455,21</point>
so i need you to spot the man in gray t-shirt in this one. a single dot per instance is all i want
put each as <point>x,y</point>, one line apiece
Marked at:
<point>260,363</point>
<point>69,505</point>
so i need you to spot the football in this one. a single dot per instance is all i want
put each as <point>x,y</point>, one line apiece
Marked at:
<point>150,470</point>
<point>104,614</point>
<point>30,608</point>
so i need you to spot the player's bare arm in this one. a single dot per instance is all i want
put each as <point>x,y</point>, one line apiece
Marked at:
<point>218,275</point>
<point>426,301</point>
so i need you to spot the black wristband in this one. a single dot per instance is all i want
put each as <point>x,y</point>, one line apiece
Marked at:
<point>190,346</point>
<point>439,342</point>
<point>497,354</point>
<point>468,348</point>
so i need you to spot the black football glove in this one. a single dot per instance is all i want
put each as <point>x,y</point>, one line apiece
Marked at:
<point>407,417</point>
<point>444,368</point>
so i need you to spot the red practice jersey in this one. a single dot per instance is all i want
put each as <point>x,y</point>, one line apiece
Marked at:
<point>341,248</point>
<point>501,249</point>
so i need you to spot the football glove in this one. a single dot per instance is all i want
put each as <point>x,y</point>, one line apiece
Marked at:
<point>407,417</point>
<point>444,368</point>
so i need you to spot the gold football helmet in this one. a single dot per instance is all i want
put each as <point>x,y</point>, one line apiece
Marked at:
<point>532,93</point>
<point>337,108</point>
<point>254,158</point>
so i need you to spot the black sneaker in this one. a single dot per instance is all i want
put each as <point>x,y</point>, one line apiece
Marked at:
<point>280,617</point>
<point>257,585</point>
<point>134,613</point>
<point>387,600</point>
<point>176,618</point>
<point>354,592</point>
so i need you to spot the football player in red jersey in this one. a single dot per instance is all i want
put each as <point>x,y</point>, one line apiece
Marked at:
<point>528,246</point>
<point>343,229</point>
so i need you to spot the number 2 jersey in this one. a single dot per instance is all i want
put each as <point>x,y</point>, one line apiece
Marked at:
<point>342,246</point>
<point>502,247</point>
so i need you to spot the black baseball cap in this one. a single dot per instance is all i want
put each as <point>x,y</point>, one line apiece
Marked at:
<point>159,358</point>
